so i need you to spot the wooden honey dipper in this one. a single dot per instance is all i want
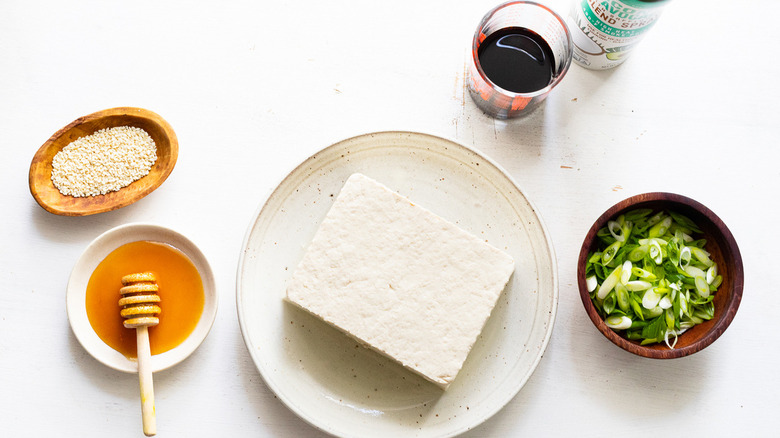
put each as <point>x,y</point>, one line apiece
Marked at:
<point>140,308</point>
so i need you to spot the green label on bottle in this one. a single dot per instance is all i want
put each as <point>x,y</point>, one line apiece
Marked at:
<point>620,19</point>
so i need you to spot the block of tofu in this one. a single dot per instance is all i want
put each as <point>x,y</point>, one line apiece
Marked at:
<point>400,279</point>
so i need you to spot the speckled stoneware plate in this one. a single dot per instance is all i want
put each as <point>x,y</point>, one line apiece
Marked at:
<point>346,390</point>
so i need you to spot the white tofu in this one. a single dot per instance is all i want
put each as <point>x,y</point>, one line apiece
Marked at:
<point>400,279</point>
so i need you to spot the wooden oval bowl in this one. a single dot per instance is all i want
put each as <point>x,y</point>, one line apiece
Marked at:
<point>49,197</point>
<point>724,251</point>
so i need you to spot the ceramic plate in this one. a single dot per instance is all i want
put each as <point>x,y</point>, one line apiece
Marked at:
<point>341,388</point>
<point>97,250</point>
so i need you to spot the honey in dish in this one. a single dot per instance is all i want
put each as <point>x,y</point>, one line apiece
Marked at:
<point>181,295</point>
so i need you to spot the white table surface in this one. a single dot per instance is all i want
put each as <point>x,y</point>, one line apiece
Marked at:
<point>254,88</point>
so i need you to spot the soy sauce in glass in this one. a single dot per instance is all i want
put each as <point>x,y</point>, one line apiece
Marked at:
<point>516,59</point>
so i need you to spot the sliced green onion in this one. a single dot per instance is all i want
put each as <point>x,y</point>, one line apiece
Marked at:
<point>712,272</point>
<point>676,297</point>
<point>654,312</point>
<point>655,219</point>
<point>702,256</point>
<point>716,283</point>
<point>625,273</point>
<point>694,272</point>
<point>592,282</point>
<point>641,273</point>
<point>705,314</point>
<point>684,221</point>
<point>648,241</point>
<point>609,303</point>
<point>661,227</point>
<point>666,338</point>
<point>609,283</point>
<point>616,230</point>
<point>652,278</point>
<point>698,243</point>
<point>622,297</point>
<point>708,310</point>
<point>673,250</point>
<point>679,229</point>
<point>685,257</point>
<point>650,299</point>
<point>638,253</point>
<point>656,253</point>
<point>610,252</point>
<point>639,213</point>
<point>669,318</point>
<point>636,306</point>
<point>638,285</point>
<point>621,322</point>
<point>702,287</point>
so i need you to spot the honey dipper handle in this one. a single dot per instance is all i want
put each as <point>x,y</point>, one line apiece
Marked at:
<point>145,380</point>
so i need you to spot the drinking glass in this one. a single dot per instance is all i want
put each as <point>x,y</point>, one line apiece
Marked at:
<point>539,19</point>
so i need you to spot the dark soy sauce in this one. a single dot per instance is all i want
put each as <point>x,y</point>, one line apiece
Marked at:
<point>516,59</point>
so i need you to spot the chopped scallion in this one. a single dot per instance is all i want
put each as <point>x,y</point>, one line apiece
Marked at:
<point>608,284</point>
<point>638,285</point>
<point>650,299</point>
<point>610,253</point>
<point>592,282</point>
<point>652,278</point>
<point>618,322</point>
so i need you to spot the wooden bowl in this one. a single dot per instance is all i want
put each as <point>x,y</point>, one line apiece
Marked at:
<point>724,251</point>
<point>49,197</point>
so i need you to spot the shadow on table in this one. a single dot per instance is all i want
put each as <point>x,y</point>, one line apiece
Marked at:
<point>74,229</point>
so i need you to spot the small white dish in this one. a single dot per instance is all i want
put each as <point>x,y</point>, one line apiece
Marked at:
<point>97,250</point>
<point>346,390</point>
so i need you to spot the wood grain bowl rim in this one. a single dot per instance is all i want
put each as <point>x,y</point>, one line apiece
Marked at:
<point>43,189</point>
<point>731,254</point>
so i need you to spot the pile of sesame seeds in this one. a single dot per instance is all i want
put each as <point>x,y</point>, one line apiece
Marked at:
<point>103,162</point>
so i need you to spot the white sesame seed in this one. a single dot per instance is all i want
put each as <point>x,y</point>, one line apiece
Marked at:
<point>103,162</point>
